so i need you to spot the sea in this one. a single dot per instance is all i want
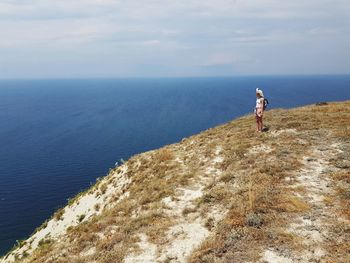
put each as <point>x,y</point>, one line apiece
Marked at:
<point>57,136</point>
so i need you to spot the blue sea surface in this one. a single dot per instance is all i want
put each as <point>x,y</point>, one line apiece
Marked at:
<point>58,136</point>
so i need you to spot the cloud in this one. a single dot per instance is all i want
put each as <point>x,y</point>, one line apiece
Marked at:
<point>183,33</point>
<point>42,9</point>
<point>217,59</point>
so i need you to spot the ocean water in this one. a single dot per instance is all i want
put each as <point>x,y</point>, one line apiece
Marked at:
<point>58,136</point>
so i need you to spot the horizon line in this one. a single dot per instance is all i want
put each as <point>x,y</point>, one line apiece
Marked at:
<point>175,77</point>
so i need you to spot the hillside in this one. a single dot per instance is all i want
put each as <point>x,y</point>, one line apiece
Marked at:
<point>228,194</point>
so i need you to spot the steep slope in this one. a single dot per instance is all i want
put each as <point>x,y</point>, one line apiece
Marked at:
<point>228,194</point>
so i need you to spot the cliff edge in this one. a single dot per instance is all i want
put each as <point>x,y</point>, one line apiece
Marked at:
<point>228,194</point>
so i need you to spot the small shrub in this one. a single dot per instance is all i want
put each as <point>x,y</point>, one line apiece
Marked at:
<point>188,210</point>
<point>59,214</point>
<point>71,201</point>
<point>227,177</point>
<point>81,218</point>
<point>25,254</point>
<point>97,207</point>
<point>343,164</point>
<point>44,241</point>
<point>103,188</point>
<point>253,220</point>
<point>209,223</point>
<point>207,198</point>
<point>235,234</point>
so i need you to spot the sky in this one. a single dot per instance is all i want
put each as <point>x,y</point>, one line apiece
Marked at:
<point>173,38</point>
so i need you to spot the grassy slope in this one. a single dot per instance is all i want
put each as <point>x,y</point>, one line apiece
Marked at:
<point>248,185</point>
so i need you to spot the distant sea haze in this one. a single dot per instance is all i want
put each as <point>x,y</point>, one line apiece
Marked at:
<point>58,136</point>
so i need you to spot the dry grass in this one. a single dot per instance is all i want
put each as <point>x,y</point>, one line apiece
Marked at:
<point>164,155</point>
<point>58,214</point>
<point>103,188</point>
<point>293,204</point>
<point>251,186</point>
<point>261,179</point>
<point>338,244</point>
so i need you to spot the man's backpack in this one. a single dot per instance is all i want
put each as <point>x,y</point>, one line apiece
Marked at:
<point>266,102</point>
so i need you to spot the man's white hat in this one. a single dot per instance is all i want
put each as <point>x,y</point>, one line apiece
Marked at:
<point>259,91</point>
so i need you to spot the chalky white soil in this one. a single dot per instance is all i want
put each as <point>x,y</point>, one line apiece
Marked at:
<point>311,226</point>
<point>84,205</point>
<point>189,231</point>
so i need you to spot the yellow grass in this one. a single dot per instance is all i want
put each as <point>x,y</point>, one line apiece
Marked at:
<point>249,184</point>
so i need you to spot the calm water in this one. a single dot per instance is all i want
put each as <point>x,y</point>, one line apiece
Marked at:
<point>58,136</point>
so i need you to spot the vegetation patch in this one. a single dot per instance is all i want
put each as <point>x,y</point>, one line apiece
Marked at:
<point>251,186</point>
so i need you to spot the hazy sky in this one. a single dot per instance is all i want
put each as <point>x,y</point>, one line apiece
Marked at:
<point>124,38</point>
